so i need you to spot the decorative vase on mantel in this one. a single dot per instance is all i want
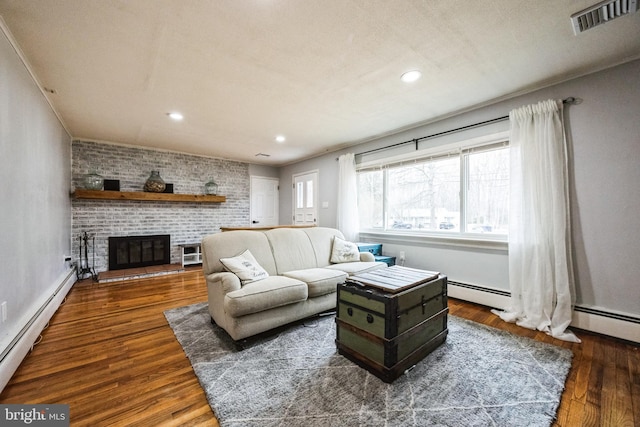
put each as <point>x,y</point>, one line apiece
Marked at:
<point>154,184</point>
<point>93,181</point>
<point>211,188</point>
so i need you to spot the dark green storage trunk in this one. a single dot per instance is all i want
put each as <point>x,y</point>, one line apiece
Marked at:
<point>388,333</point>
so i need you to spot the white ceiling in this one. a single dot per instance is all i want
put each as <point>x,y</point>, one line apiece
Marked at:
<point>326,74</point>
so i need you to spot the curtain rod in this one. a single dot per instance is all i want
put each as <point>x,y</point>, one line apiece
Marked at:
<point>569,100</point>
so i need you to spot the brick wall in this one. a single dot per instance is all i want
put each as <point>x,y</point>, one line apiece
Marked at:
<point>185,222</point>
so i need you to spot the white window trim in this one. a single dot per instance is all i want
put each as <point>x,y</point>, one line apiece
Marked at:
<point>430,240</point>
<point>466,239</point>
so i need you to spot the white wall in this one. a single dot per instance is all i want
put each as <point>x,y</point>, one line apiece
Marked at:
<point>604,135</point>
<point>264,171</point>
<point>35,177</point>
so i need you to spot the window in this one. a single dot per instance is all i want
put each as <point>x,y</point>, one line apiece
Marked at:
<point>370,198</point>
<point>465,192</point>
<point>487,204</point>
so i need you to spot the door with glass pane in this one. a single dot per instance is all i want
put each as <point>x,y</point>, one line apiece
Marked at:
<point>305,191</point>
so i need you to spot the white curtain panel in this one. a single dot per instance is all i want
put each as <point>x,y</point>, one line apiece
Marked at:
<point>540,266</point>
<point>347,218</point>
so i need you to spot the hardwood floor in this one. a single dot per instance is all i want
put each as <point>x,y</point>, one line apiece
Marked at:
<point>110,354</point>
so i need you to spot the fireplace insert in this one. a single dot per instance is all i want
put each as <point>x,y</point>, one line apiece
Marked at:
<point>139,251</point>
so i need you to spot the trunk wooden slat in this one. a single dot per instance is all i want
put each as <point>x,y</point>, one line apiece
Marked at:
<point>395,278</point>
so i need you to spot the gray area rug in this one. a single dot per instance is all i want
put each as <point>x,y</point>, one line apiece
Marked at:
<point>480,376</point>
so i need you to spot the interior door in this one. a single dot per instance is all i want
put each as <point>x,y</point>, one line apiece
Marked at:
<point>305,198</point>
<point>264,201</point>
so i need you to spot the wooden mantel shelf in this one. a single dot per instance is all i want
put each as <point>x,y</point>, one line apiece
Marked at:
<point>265,228</point>
<point>144,196</point>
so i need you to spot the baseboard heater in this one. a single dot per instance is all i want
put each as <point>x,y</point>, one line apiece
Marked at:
<point>587,318</point>
<point>617,316</point>
<point>18,348</point>
<point>31,321</point>
<point>481,288</point>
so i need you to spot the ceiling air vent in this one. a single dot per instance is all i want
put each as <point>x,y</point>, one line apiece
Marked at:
<point>601,13</point>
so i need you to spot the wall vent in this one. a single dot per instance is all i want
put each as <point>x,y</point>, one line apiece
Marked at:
<point>601,13</point>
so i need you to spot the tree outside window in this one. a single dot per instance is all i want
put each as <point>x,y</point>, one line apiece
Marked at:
<point>425,195</point>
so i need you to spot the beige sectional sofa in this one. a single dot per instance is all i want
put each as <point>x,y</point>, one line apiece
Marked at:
<point>295,277</point>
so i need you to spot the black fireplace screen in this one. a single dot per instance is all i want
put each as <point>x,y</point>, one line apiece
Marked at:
<point>139,251</point>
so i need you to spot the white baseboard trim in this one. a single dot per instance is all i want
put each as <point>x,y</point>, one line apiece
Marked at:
<point>484,297</point>
<point>613,326</point>
<point>617,328</point>
<point>31,332</point>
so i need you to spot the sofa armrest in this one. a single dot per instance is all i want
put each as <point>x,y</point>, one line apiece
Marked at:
<point>219,284</point>
<point>228,282</point>
<point>367,257</point>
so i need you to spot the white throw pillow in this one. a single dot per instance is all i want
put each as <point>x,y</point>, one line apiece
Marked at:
<point>245,267</point>
<point>344,251</point>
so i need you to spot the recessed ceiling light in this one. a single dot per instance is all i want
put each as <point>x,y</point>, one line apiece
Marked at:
<point>280,138</point>
<point>175,116</point>
<point>411,76</point>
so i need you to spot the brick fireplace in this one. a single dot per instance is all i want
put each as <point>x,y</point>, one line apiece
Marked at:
<point>184,222</point>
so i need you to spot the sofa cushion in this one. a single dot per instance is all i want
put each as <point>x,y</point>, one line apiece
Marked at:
<point>353,268</point>
<point>322,240</point>
<point>274,291</point>
<point>344,251</point>
<point>292,249</point>
<point>321,281</point>
<point>245,267</point>
<point>231,243</point>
